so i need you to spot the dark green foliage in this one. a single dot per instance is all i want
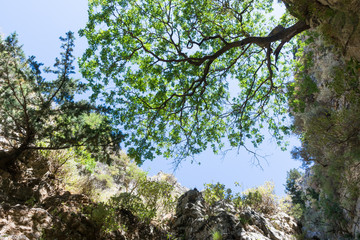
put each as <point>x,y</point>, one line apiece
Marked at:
<point>292,186</point>
<point>134,204</point>
<point>253,199</point>
<point>37,113</point>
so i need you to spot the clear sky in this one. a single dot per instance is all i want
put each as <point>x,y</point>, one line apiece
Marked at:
<point>40,23</point>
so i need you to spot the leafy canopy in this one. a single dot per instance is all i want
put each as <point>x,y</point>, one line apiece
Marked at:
<point>169,70</point>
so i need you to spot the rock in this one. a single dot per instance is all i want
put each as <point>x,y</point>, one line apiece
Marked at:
<point>195,220</point>
<point>331,213</point>
<point>22,222</point>
<point>32,209</point>
<point>336,19</point>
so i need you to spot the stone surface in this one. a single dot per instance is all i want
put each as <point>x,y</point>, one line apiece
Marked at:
<point>178,188</point>
<point>32,206</point>
<point>329,67</point>
<point>22,222</point>
<point>195,220</point>
<point>337,19</point>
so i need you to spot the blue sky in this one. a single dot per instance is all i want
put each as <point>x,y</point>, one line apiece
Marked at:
<point>40,23</point>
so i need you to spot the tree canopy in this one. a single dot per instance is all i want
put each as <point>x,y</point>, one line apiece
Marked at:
<point>36,113</point>
<point>180,76</point>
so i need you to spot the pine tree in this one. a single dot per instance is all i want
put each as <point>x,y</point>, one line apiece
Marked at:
<point>36,113</point>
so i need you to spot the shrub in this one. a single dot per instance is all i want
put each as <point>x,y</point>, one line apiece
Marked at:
<point>261,199</point>
<point>144,202</point>
<point>134,204</point>
<point>216,192</point>
<point>67,165</point>
<point>253,199</point>
<point>293,189</point>
<point>156,196</point>
<point>105,217</point>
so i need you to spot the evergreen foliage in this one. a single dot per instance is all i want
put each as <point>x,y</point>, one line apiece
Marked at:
<point>292,186</point>
<point>295,191</point>
<point>37,113</point>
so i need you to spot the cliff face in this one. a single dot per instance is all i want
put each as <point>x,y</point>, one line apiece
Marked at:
<point>343,26</point>
<point>326,109</point>
<point>338,20</point>
<point>195,220</point>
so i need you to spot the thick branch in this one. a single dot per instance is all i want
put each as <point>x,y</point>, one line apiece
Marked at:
<point>284,35</point>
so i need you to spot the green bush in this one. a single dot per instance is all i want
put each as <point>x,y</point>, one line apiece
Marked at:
<point>253,199</point>
<point>216,192</point>
<point>144,198</point>
<point>261,199</point>
<point>134,204</point>
<point>105,216</point>
<point>67,165</point>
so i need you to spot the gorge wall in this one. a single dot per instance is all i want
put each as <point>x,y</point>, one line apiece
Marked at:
<point>326,110</point>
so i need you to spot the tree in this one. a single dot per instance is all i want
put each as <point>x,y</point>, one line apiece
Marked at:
<point>39,114</point>
<point>293,188</point>
<point>168,70</point>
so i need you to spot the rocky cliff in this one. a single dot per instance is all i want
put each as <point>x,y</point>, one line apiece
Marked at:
<point>336,19</point>
<point>326,111</point>
<point>34,204</point>
<point>196,221</point>
<point>325,107</point>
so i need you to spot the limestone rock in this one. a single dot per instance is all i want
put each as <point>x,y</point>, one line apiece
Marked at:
<point>336,19</point>
<point>195,220</point>
<point>22,222</point>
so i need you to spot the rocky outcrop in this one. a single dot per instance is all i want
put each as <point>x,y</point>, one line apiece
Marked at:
<point>58,217</point>
<point>338,20</point>
<point>195,220</point>
<point>23,222</point>
<point>34,206</point>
